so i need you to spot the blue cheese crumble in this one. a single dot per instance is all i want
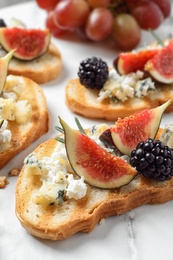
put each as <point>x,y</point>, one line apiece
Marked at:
<point>57,177</point>
<point>122,87</point>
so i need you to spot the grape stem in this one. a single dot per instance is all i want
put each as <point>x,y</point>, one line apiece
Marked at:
<point>159,41</point>
<point>117,7</point>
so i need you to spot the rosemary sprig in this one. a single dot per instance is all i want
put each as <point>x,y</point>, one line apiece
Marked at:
<point>79,126</point>
<point>59,129</point>
<point>60,139</point>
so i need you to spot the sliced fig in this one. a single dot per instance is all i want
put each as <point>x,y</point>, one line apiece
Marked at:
<point>160,66</point>
<point>99,168</point>
<point>129,131</point>
<point>128,62</point>
<point>28,43</point>
<point>4,62</point>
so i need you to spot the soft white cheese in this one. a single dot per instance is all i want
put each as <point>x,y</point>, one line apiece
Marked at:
<point>12,95</point>
<point>5,134</point>
<point>76,188</point>
<point>121,87</point>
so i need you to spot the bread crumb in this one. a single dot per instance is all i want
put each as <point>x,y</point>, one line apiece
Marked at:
<point>14,172</point>
<point>3,182</point>
<point>102,221</point>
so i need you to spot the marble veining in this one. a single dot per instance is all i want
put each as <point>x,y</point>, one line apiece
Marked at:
<point>130,222</point>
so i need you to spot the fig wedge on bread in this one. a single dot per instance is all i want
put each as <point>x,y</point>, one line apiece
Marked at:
<point>56,203</point>
<point>36,56</point>
<point>139,80</point>
<point>23,113</point>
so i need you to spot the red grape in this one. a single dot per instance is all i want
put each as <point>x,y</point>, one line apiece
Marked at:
<point>99,3</point>
<point>165,6</point>
<point>70,14</point>
<point>148,15</point>
<point>50,24</point>
<point>81,32</point>
<point>99,24</point>
<point>126,31</point>
<point>96,20</point>
<point>47,4</point>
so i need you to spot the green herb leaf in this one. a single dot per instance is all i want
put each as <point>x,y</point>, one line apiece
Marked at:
<point>60,139</point>
<point>79,126</point>
<point>59,129</point>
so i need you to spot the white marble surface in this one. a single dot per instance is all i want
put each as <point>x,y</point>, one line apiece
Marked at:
<point>142,234</point>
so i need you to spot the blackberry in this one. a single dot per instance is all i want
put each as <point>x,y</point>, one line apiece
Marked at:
<point>93,73</point>
<point>153,159</point>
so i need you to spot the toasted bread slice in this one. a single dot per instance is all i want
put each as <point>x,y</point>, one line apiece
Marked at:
<point>23,134</point>
<point>62,221</point>
<point>42,69</point>
<point>83,101</point>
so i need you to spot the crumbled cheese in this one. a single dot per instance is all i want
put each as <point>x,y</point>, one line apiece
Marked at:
<point>76,188</point>
<point>22,111</point>
<point>11,109</point>
<point>10,95</point>
<point>7,108</point>
<point>144,87</point>
<point>121,87</point>
<point>5,134</point>
<point>56,176</point>
<point>167,135</point>
<point>32,165</point>
<point>96,130</point>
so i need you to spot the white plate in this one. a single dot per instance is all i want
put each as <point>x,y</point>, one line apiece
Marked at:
<point>143,234</point>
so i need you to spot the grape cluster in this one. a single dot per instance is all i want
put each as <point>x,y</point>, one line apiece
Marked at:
<point>97,20</point>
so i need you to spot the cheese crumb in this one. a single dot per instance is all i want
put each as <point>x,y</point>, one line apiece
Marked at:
<point>122,87</point>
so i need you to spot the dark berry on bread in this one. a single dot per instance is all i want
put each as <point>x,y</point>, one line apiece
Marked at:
<point>93,73</point>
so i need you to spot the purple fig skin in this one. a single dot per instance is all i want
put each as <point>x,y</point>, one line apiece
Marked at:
<point>115,63</point>
<point>106,138</point>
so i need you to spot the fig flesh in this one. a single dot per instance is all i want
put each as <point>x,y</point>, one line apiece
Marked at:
<point>129,131</point>
<point>160,67</point>
<point>98,167</point>
<point>28,43</point>
<point>4,63</point>
<point>128,62</point>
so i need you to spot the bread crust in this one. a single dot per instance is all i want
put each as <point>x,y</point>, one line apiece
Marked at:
<point>42,69</point>
<point>24,134</point>
<point>83,101</point>
<point>61,222</point>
